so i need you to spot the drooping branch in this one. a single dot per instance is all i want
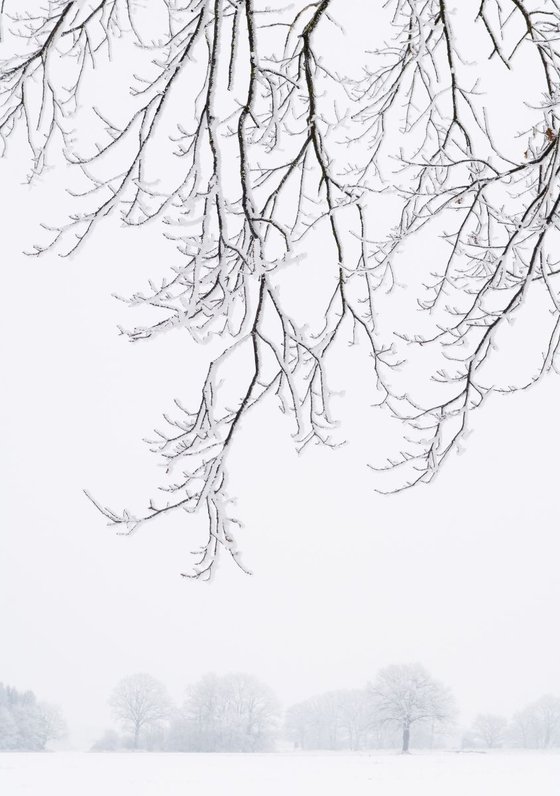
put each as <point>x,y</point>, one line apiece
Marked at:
<point>236,136</point>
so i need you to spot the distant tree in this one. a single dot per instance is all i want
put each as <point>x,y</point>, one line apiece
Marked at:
<point>546,712</point>
<point>406,695</point>
<point>355,716</point>
<point>232,713</point>
<point>314,723</point>
<point>326,717</point>
<point>139,702</point>
<point>521,729</point>
<point>50,723</point>
<point>25,723</point>
<point>538,725</point>
<point>332,720</point>
<point>489,730</point>
<point>297,724</point>
<point>23,708</point>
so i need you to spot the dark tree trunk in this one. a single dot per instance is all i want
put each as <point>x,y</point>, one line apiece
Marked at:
<point>405,740</point>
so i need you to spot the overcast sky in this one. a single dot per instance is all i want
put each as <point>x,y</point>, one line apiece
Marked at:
<point>461,575</point>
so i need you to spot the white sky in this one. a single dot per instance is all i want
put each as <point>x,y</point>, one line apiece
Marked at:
<point>461,575</point>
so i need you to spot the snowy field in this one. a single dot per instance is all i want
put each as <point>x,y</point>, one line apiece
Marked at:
<point>434,774</point>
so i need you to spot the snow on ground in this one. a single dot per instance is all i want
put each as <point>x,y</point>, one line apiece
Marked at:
<point>305,774</point>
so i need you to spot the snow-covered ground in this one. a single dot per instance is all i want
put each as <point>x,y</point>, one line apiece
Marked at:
<point>434,774</point>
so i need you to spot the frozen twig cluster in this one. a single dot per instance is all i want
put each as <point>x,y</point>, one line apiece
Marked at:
<point>272,144</point>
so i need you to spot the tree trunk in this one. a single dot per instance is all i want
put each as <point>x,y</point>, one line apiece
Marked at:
<point>136,735</point>
<point>405,740</point>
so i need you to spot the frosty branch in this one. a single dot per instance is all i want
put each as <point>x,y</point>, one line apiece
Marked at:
<point>237,135</point>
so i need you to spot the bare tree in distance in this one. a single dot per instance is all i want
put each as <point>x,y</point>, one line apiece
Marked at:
<point>332,720</point>
<point>490,730</point>
<point>406,695</point>
<point>51,725</point>
<point>538,725</point>
<point>140,702</point>
<point>235,712</point>
<point>240,134</point>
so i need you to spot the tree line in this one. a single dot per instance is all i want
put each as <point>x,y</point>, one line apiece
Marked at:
<point>229,713</point>
<point>404,707</point>
<point>537,726</point>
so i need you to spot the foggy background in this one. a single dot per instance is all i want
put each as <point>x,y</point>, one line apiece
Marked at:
<point>461,575</point>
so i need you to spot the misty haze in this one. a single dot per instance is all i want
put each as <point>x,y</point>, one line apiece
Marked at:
<point>280,339</point>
